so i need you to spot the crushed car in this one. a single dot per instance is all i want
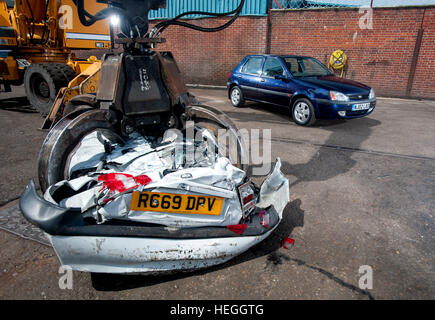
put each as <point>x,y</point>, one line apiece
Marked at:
<point>140,207</point>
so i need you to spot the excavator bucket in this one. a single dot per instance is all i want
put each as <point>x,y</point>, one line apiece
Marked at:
<point>84,83</point>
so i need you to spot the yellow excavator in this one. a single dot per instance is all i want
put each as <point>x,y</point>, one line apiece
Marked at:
<point>36,42</point>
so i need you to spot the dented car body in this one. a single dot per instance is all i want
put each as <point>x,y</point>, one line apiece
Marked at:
<point>96,227</point>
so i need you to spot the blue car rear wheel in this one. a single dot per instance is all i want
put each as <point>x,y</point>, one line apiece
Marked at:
<point>236,97</point>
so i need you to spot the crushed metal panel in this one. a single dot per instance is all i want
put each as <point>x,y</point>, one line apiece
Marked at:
<point>125,255</point>
<point>275,190</point>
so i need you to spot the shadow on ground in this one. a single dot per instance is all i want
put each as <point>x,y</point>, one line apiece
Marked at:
<point>332,157</point>
<point>270,114</point>
<point>293,216</point>
<point>282,115</point>
<point>18,104</point>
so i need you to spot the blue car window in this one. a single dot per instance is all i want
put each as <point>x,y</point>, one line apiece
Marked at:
<point>312,67</point>
<point>253,66</point>
<point>305,67</point>
<point>293,65</point>
<point>272,67</point>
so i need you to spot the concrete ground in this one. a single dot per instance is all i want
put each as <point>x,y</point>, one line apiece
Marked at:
<point>362,193</point>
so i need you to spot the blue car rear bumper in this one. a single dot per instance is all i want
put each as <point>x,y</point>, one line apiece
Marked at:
<point>328,109</point>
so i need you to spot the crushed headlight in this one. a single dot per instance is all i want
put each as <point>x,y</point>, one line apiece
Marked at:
<point>338,96</point>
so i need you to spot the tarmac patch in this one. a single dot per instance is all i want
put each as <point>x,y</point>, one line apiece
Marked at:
<point>12,220</point>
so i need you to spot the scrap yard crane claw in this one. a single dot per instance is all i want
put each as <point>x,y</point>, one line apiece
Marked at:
<point>138,90</point>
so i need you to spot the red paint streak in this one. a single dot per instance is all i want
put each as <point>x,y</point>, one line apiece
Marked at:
<point>115,181</point>
<point>237,228</point>
<point>142,179</point>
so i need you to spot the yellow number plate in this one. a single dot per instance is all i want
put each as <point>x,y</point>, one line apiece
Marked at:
<point>176,203</point>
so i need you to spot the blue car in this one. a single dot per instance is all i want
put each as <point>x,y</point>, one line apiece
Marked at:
<point>302,83</point>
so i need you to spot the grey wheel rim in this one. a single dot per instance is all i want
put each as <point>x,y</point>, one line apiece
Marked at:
<point>235,96</point>
<point>302,112</point>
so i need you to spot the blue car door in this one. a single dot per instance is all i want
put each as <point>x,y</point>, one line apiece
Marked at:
<point>249,77</point>
<point>274,86</point>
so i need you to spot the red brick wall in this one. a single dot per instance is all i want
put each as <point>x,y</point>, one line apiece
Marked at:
<point>380,57</point>
<point>424,80</point>
<point>207,58</point>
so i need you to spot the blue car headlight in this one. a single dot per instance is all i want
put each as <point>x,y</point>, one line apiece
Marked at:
<point>372,94</point>
<point>338,96</point>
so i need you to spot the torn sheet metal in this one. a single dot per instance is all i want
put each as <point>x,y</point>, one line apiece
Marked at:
<point>275,190</point>
<point>138,157</point>
<point>135,157</point>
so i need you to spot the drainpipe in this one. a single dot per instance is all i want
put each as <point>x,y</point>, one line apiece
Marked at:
<point>269,28</point>
<point>415,57</point>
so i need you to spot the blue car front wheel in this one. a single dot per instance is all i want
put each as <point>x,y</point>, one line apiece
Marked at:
<point>303,112</point>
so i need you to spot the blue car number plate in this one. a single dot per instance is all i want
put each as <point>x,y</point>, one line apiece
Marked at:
<point>360,106</point>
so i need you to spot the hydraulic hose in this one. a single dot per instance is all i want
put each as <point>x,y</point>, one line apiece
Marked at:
<point>160,27</point>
